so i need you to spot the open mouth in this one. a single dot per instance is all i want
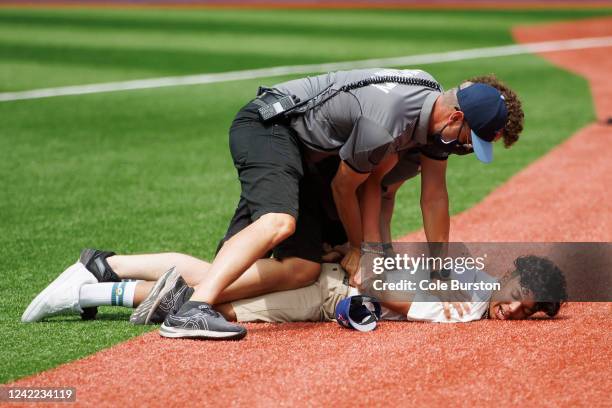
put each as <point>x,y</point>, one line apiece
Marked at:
<point>500,313</point>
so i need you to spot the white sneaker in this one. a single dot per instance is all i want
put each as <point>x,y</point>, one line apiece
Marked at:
<point>61,295</point>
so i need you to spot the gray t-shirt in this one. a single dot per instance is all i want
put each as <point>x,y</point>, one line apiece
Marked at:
<point>364,125</point>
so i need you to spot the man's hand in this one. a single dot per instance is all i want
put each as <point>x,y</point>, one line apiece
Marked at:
<point>356,281</point>
<point>458,299</point>
<point>460,307</point>
<point>350,263</point>
<point>343,248</point>
<point>351,260</point>
<point>334,254</point>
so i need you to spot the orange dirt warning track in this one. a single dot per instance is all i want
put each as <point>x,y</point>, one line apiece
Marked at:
<point>560,362</point>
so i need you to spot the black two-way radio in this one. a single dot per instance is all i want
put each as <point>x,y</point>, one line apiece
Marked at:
<point>285,105</point>
<point>272,110</point>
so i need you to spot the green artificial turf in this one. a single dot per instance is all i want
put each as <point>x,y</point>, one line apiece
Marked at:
<point>150,171</point>
<point>41,48</point>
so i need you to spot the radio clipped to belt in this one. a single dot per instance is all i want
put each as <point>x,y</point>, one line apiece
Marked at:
<point>275,104</point>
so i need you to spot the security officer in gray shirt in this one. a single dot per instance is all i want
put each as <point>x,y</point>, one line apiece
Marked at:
<point>374,121</point>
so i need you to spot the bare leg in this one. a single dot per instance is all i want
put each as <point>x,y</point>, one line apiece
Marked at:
<point>241,251</point>
<point>227,310</point>
<point>141,292</point>
<point>150,267</point>
<point>264,276</point>
<point>271,275</point>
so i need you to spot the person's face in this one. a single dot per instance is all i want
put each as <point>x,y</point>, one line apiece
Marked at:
<point>457,128</point>
<point>512,302</point>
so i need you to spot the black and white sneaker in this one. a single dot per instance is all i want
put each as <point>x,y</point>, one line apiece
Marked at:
<point>95,262</point>
<point>167,296</point>
<point>198,320</point>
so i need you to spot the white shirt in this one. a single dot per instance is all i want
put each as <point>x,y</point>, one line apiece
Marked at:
<point>428,308</point>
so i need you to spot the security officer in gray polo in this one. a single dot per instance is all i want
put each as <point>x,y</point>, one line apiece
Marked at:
<point>381,124</point>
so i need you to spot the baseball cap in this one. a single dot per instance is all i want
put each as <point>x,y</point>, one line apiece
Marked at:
<point>358,312</point>
<point>485,111</point>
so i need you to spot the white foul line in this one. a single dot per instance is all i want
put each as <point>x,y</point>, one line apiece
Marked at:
<point>487,52</point>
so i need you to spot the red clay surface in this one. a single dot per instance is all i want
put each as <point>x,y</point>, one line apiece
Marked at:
<point>564,196</point>
<point>560,362</point>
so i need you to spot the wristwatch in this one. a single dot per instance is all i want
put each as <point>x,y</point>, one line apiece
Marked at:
<point>372,248</point>
<point>442,274</point>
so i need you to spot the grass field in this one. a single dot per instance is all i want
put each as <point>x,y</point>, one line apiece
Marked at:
<point>150,170</point>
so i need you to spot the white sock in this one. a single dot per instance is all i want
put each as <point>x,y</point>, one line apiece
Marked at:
<point>108,294</point>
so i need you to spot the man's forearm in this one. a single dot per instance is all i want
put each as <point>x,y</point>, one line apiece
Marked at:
<point>344,189</point>
<point>436,220</point>
<point>371,206</point>
<point>386,214</point>
<point>434,199</point>
<point>372,201</point>
<point>347,205</point>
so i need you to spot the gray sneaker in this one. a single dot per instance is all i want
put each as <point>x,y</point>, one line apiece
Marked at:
<point>200,322</point>
<point>140,314</point>
<point>174,294</point>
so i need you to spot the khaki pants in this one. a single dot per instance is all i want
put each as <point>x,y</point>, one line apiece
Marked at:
<point>313,303</point>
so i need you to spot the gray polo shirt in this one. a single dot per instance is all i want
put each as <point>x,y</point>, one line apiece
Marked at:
<point>364,125</point>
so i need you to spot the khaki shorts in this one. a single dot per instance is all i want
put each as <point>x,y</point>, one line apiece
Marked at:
<point>314,303</point>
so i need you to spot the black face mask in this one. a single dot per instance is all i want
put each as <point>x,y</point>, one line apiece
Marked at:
<point>452,147</point>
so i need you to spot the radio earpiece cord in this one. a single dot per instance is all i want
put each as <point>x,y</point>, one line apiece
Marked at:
<point>286,105</point>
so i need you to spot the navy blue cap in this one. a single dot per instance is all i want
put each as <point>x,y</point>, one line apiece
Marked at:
<point>358,312</point>
<point>485,111</point>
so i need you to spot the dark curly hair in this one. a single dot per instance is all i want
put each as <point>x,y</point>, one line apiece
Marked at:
<point>544,280</point>
<point>516,117</point>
